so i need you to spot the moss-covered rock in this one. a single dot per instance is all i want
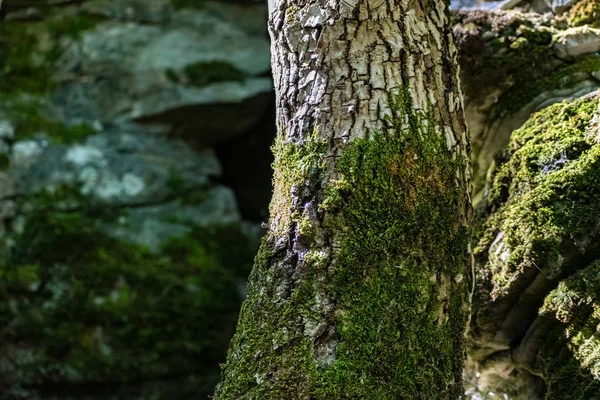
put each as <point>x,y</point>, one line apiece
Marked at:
<point>205,73</point>
<point>538,226</point>
<point>569,361</point>
<point>502,51</point>
<point>82,309</point>
<point>585,12</point>
<point>30,117</point>
<point>544,192</point>
<point>122,261</point>
<point>28,50</point>
<point>510,69</point>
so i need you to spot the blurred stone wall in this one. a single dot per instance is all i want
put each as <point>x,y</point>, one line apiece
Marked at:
<point>125,129</point>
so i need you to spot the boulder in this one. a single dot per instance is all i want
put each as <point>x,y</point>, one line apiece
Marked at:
<point>577,41</point>
<point>510,70</point>
<point>535,318</point>
<point>123,257</point>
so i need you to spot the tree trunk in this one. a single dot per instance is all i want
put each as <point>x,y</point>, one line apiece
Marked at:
<point>361,288</point>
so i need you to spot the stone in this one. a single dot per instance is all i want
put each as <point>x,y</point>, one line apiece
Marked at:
<point>117,167</point>
<point>532,304</point>
<point>154,12</point>
<point>7,130</point>
<point>152,226</point>
<point>560,6</point>
<point>508,74</point>
<point>120,242</point>
<point>578,41</point>
<point>151,62</point>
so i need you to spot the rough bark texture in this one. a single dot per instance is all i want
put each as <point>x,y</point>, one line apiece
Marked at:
<point>361,287</point>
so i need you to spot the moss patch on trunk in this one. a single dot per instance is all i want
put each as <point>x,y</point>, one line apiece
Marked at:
<point>382,316</point>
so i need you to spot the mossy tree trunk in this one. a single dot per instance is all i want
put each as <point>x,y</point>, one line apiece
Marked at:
<point>361,288</point>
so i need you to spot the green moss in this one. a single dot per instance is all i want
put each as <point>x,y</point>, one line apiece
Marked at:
<point>537,198</point>
<point>172,76</point>
<point>195,4</point>
<point>184,192</point>
<point>27,65</point>
<point>401,241</point>
<point>290,13</point>
<point>84,307</point>
<point>519,54</point>
<point>572,359</point>
<point>205,73</point>
<point>520,62</point>
<point>297,166</point>
<point>72,26</point>
<point>4,162</point>
<point>26,277</point>
<point>397,279</point>
<point>61,197</point>
<point>20,69</point>
<point>267,336</point>
<point>585,12</point>
<point>30,119</point>
<point>540,219</point>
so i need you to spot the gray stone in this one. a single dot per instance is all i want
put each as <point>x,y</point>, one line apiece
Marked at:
<point>560,6</point>
<point>123,70</point>
<point>115,168</point>
<point>153,225</point>
<point>509,4</point>
<point>133,10</point>
<point>577,41</point>
<point>7,130</point>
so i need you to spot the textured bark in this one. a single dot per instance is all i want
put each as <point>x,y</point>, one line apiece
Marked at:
<point>361,287</point>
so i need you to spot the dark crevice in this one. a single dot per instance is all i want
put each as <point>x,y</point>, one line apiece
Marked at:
<point>246,162</point>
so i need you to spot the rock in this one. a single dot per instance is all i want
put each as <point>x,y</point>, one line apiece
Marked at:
<point>115,168</point>
<point>153,226</point>
<point>250,17</point>
<point>538,6</point>
<point>27,14</point>
<point>560,6</point>
<point>482,4</point>
<point>120,61</point>
<point>123,254</point>
<point>510,70</point>
<point>108,225</point>
<point>185,60</point>
<point>537,255</point>
<point>7,130</point>
<point>510,4</point>
<point>151,12</point>
<point>577,41</point>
